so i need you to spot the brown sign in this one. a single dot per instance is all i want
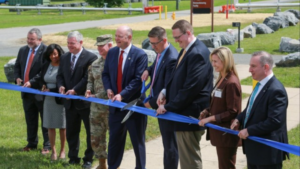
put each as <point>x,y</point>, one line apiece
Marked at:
<point>201,6</point>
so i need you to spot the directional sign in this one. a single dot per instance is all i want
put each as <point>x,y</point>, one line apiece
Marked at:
<point>201,6</point>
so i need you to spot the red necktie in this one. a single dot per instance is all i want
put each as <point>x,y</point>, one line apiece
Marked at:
<point>119,78</point>
<point>157,59</point>
<point>26,78</point>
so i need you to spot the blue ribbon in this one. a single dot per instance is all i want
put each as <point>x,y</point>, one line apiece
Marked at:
<point>167,116</point>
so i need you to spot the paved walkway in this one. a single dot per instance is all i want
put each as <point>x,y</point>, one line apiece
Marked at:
<point>154,147</point>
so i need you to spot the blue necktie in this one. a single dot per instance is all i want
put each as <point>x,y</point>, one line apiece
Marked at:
<point>251,102</point>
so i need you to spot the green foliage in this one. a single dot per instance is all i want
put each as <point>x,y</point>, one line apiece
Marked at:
<point>294,139</point>
<point>110,3</point>
<point>288,76</point>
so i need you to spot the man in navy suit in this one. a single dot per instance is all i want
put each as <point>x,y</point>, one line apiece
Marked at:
<point>264,116</point>
<point>160,72</point>
<point>32,104</point>
<point>121,77</point>
<point>188,92</point>
<point>72,80</point>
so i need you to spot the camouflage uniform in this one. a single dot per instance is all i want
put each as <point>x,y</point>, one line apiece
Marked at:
<point>99,112</point>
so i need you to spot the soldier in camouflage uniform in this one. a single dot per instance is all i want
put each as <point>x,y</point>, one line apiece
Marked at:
<point>99,112</point>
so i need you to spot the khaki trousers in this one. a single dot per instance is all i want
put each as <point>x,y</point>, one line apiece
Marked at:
<point>188,143</point>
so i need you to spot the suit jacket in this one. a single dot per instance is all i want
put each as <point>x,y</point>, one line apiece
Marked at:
<point>163,73</point>
<point>190,85</point>
<point>20,65</point>
<point>267,119</point>
<point>38,81</point>
<point>225,109</point>
<point>134,67</point>
<point>77,80</point>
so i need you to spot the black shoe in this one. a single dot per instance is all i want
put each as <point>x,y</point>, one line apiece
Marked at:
<point>87,165</point>
<point>74,161</point>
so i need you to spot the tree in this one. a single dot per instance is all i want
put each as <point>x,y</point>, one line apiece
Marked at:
<point>110,3</point>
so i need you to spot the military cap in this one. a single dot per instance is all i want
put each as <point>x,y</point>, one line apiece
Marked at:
<point>103,39</point>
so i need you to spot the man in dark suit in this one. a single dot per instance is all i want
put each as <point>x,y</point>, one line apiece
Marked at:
<point>72,80</point>
<point>160,72</point>
<point>264,116</point>
<point>121,77</point>
<point>188,92</point>
<point>28,64</point>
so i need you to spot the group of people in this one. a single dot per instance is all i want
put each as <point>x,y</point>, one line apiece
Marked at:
<point>181,83</point>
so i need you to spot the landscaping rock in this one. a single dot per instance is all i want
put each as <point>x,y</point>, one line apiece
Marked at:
<point>151,55</point>
<point>290,60</point>
<point>249,32</point>
<point>289,45</point>
<point>295,12</point>
<point>289,17</point>
<point>9,70</point>
<point>263,29</point>
<point>276,22</point>
<point>146,44</point>
<point>210,39</point>
<point>235,33</point>
<point>226,38</point>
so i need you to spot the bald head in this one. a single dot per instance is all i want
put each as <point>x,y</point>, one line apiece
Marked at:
<point>123,36</point>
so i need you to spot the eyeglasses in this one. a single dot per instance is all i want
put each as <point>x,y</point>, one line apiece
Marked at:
<point>155,43</point>
<point>177,37</point>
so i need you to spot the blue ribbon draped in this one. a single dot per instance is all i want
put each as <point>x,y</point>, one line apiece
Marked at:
<point>167,116</point>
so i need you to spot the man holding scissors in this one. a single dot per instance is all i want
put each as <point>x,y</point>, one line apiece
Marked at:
<point>121,77</point>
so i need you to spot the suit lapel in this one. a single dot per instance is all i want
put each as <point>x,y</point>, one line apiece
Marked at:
<point>127,63</point>
<point>37,55</point>
<point>260,95</point>
<point>161,64</point>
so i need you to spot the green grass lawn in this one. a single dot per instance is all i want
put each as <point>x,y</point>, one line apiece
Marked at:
<point>288,76</point>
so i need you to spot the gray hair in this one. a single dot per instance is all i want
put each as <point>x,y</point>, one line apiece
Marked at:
<point>37,32</point>
<point>264,58</point>
<point>75,34</point>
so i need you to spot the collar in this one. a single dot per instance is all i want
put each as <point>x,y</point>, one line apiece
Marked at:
<point>78,54</point>
<point>266,79</point>
<point>126,50</point>
<point>190,44</point>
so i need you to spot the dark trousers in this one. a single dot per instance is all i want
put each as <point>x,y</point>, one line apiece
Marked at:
<point>136,126</point>
<point>73,119</point>
<point>226,157</point>
<point>170,144</point>
<point>274,166</point>
<point>33,109</point>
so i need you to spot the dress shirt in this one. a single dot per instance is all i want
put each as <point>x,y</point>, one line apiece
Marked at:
<point>28,56</point>
<point>125,54</point>
<point>77,56</point>
<point>262,84</point>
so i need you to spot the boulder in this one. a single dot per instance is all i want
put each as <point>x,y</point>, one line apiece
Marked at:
<point>249,31</point>
<point>290,60</point>
<point>235,33</point>
<point>276,22</point>
<point>289,45</point>
<point>226,38</point>
<point>289,18</point>
<point>9,70</point>
<point>210,39</point>
<point>146,44</point>
<point>263,29</point>
<point>295,12</point>
<point>151,55</point>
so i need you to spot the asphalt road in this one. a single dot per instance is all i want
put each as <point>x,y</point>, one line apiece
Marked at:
<point>9,37</point>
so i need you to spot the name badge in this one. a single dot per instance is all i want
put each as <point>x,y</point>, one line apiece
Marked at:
<point>218,93</point>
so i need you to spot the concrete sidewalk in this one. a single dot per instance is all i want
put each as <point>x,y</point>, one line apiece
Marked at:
<point>154,148</point>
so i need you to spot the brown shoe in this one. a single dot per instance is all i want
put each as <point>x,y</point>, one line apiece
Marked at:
<point>28,148</point>
<point>45,151</point>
